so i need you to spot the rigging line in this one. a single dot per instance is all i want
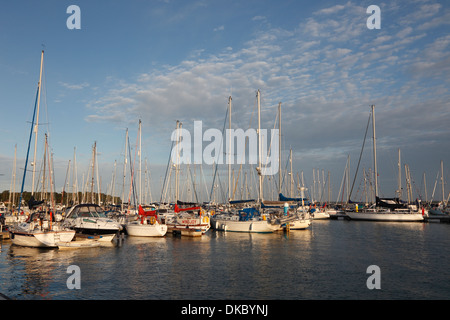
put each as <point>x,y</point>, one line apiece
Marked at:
<point>165,176</point>
<point>245,147</point>
<point>215,162</point>
<point>133,185</point>
<point>270,146</point>
<point>28,151</point>
<point>360,155</point>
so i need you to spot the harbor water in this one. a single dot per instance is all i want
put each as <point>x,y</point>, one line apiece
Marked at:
<point>328,261</point>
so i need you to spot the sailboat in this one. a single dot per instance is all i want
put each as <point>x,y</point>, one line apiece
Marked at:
<point>147,225</point>
<point>37,231</point>
<point>385,209</point>
<point>248,219</point>
<point>441,212</point>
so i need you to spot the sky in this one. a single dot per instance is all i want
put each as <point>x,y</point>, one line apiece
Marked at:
<point>162,61</point>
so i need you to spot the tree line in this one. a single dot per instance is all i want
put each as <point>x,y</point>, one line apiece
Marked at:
<point>59,198</point>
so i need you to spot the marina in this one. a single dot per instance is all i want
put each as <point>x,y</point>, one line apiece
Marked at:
<point>193,151</point>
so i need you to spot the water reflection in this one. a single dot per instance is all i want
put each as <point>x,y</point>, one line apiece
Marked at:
<point>327,261</point>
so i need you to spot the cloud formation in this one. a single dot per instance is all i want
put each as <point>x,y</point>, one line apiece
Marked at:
<point>326,72</point>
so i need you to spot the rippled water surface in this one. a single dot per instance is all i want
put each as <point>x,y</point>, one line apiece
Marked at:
<point>327,261</point>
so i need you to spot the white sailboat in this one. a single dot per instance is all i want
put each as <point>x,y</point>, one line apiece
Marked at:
<point>384,210</point>
<point>441,212</point>
<point>244,222</point>
<point>148,225</point>
<point>38,231</point>
<point>248,219</point>
<point>189,221</point>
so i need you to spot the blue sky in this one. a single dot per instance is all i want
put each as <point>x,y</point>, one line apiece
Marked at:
<point>162,61</point>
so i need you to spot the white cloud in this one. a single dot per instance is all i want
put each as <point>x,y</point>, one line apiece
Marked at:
<point>326,73</point>
<point>258,18</point>
<point>74,86</point>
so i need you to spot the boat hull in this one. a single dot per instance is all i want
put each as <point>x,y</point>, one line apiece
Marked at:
<point>146,230</point>
<point>252,226</point>
<point>187,231</point>
<point>93,231</point>
<point>378,216</point>
<point>42,239</point>
<point>188,225</point>
<point>299,224</point>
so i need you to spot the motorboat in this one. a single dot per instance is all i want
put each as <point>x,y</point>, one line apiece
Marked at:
<point>88,218</point>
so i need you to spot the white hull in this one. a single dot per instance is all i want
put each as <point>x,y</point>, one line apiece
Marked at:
<point>146,230</point>
<point>41,239</point>
<point>79,244</point>
<point>93,225</point>
<point>100,237</point>
<point>320,215</point>
<point>299,224</point>
<point>188,224</point>
<point>252,226</point>
<point>385,216</point>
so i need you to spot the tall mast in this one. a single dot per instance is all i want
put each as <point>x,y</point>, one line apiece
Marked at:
<point>37,122</point>
<point>229,149</point>
<point>93,172</point>
<point>425,184</point>
<point>124,168</point>
<point>279,148</point>
<point>260,195</point>
<point>179,124</point>
<point>75,178</point>
<point>140,162</point>
<point>442,181</point>
<point>399,176</point>
<point>375,153</point>
<point>13,182</point>
<point>291,180</point>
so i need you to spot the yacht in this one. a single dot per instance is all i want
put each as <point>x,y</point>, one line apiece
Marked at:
<point>88,218</point>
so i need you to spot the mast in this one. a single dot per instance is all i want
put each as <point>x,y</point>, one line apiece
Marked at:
<point>291,180</point>
<point>442,182</point>
<point>28,152</point>
<point>260,195</point>
<point>66,183</point>
<point>93,172</point>
<point>279,148</point>
<point>399,191</point>
<point>375,153</point>
<point>229,150</point>
<point>13,182</point>
<point>37,122</point>
<point>140,162</point>
<point>329,187</point>
<point>99,180</point>
<point>75,178</point>
<point>425,185</point>
<point>179,124</point>
<point>124,168</point>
